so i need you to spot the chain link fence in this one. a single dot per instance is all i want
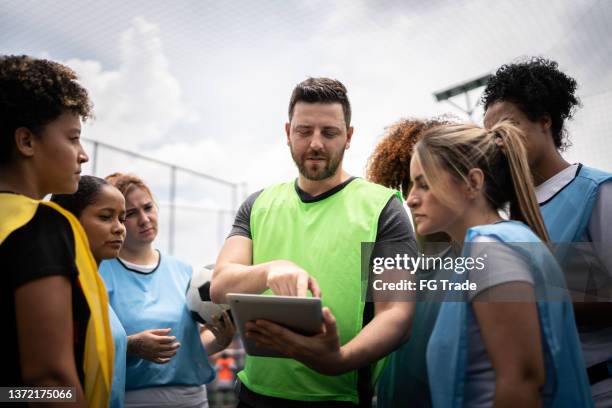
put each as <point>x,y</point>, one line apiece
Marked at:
<point>196,210</point>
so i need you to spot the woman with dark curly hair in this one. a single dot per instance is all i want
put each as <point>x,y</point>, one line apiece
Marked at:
<point>54,304</point>
<point>404,381</point>
<point>389,164</point>
<point>575,200</point>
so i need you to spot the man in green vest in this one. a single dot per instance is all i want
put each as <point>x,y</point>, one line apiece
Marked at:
<point>306,235</point>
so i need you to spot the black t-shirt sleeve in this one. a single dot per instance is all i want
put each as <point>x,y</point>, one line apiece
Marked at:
<point>394,224</point>
<point>394,227</point>
<point>242,222</point>
<point>43,247</point>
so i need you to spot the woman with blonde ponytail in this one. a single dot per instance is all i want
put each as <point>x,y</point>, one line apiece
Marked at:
<point>511,340</point>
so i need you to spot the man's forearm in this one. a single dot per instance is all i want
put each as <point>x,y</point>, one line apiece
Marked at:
<point>385,333</point>
<point>232,277</point>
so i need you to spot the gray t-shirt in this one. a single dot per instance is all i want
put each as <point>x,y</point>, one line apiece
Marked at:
<point>393,227</point>
<point>393,223</point>
<point>503,265</point>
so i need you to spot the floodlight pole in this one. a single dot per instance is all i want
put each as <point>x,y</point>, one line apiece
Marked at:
<point>468,104</point>
<point>462,88</point>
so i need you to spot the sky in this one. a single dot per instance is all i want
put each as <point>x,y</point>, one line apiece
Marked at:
<point>206,84</point>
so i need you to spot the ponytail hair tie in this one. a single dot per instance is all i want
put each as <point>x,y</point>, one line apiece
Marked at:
<point>498,139</point>
<point>499,142</point>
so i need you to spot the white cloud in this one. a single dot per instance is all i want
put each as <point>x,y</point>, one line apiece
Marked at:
<point>137,106</point>
<point>206,86</point>
<point>139,102</point>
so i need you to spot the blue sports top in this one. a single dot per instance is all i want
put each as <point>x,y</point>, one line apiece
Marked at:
<point>566,380</point>
<point>567,213</point>
<point>117,396</point>
<point>156,300</point>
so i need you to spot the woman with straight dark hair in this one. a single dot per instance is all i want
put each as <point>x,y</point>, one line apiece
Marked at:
<point>100,208</point>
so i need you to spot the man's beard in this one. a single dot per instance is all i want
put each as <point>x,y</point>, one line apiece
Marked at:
<point>320,172</point>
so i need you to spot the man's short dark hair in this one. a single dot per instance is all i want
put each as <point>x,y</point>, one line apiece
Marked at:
<point>34,92</point>
<point>538,88</point>
<point>323,90</point>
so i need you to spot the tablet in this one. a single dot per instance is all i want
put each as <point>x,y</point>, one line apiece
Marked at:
<point>300,314</point>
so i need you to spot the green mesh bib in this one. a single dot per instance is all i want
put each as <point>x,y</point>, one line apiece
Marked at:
<point>324,238</point>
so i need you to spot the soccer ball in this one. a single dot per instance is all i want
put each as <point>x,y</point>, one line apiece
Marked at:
<point>199,304</point>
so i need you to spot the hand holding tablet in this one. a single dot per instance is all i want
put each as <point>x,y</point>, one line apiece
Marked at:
<point>299,314</point>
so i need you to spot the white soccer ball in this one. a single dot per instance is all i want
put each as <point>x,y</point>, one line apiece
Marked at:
<point>198,297</point>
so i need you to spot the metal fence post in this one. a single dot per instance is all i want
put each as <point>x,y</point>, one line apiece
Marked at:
<point>237,191</point>
<point>172,209</point>
<point>94,160</point>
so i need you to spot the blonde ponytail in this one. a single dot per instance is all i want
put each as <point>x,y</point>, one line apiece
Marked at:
<point>513,147</point>
<point>500,153</point>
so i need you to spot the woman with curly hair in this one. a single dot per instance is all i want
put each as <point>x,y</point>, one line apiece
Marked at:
<point>54,304</point>
<point>389,164</point>
<point>575,200</point>
<point>404,381</point>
